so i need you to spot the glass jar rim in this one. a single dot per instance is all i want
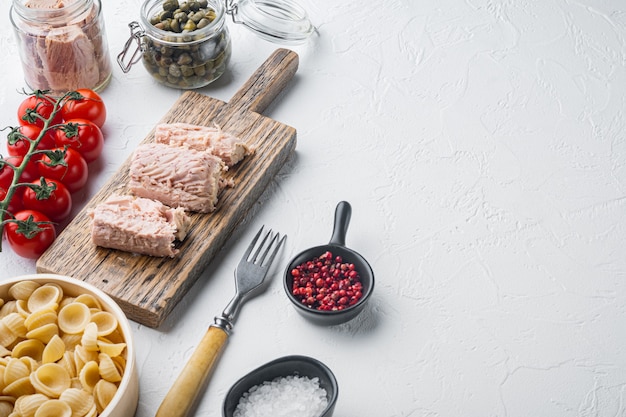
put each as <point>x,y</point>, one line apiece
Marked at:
<point>62,15</point>
<point>282,21</point>
<point>174,38</point>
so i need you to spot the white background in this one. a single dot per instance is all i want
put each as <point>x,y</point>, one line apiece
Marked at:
<point>481,144</point>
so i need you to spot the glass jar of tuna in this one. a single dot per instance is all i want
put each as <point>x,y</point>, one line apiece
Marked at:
<point>183,44</point>
<point>62,44</point>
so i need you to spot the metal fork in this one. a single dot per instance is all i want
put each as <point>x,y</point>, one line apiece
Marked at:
<point>249,275</point>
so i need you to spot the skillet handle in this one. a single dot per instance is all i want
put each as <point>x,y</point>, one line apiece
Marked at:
<point>182,397</point>
<point>342,220</point>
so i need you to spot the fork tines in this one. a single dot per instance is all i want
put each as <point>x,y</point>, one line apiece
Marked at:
<point>273,238</point>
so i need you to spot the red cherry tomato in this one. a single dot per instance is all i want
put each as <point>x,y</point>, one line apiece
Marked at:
<point>55,204</point>
<point>15,204</point>
<point>73,174</point>
<point>28,238</point>
<point>18,146</point>
<point>82,135</point>
<point>85,104</point>
<point>6,176</point>
<point>35,107</point>
<point>30,173</point>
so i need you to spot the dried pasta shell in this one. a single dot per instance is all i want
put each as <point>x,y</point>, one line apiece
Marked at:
<point>23,289</point>
<point>76,383</point>
<point>103,393</point>
<point>89,300</point>
<point>4,351</point>
<point>106,322</point>
<point>19,387</point>
<point>89,376</point>
<point>44,333</point>
<point>108,368</point>
<point>111,349</point>
<point>54,350</point>
<point>79,401</point>
<point>7,337</point>
<point>54,408</point>
<point>21,306</point>
<point>15,323</point>
<point>93,411</point>
<point>50,379</point>
<point>67,361</point>
<point>14,370</point>
<point>71,340</point>
<point>45,296</point>
<point>65,301</point>
<point>74,317</point>
<point>115,337</point>
<point>40,318</point>
<point>30,363</point>
<point>90,337</point>
<point>6,408</point>
<point>8,307</point>
<point>120,363</point>
<point>31,348</point>
<point>82,356</point>
<point>27,405</point>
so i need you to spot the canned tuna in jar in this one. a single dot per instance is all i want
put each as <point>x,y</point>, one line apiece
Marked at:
<point>62,44</point>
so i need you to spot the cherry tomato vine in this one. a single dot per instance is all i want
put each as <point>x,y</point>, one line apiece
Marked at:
<point>35,179</point>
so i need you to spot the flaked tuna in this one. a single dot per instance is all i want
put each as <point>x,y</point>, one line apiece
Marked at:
<point>176,176</point>
<point>225,146</point>
<point>138,225</point>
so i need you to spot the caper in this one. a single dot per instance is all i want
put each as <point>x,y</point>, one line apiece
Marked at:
<point>176,26</point>
<point>193,5</point>
<point>165,25</point>
<point>203,3</point>
<point>186,70</point>
<point>167,51</point>
<point>204,22</point>
<point>181,16</point>
<point>170,5</point>
<point>184,7</point>
<point>190,26</point>
<point>184,59</point>
<point>165,14</point>
<point>174,70</point>
<point>197,16</point>
<point>199,70</point>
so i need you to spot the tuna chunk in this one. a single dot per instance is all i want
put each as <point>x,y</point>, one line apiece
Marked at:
<point>67,56</point>
<point>176,176</point>
<point>225,146</point>
<point>138,225</point>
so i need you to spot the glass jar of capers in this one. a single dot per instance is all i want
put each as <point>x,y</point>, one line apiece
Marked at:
<point>186,43</point>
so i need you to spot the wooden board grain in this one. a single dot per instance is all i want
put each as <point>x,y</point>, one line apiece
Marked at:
<point>148,288</point>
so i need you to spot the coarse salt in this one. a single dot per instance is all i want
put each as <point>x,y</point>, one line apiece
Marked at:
<point>290,396</point>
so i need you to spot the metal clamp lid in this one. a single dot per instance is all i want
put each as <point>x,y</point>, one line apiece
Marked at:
<point>281,21</point>
<point>136,33</point>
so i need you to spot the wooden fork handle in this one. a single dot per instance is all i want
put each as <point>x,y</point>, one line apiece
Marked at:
<point>181,398</point>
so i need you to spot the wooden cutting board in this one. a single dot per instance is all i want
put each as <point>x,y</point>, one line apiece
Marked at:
<point>148,288</point>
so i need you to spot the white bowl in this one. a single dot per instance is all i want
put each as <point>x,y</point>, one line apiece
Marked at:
<point>124,403</point>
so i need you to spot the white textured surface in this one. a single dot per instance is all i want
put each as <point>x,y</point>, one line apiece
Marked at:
<point>482,147</point>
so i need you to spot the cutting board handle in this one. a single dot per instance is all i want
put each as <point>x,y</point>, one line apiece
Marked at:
<point>266,82</point>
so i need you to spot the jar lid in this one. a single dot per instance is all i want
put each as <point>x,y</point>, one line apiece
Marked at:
<point>281,21</point>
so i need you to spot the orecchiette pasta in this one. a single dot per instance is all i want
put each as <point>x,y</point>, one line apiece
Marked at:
<point>59,355</point>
